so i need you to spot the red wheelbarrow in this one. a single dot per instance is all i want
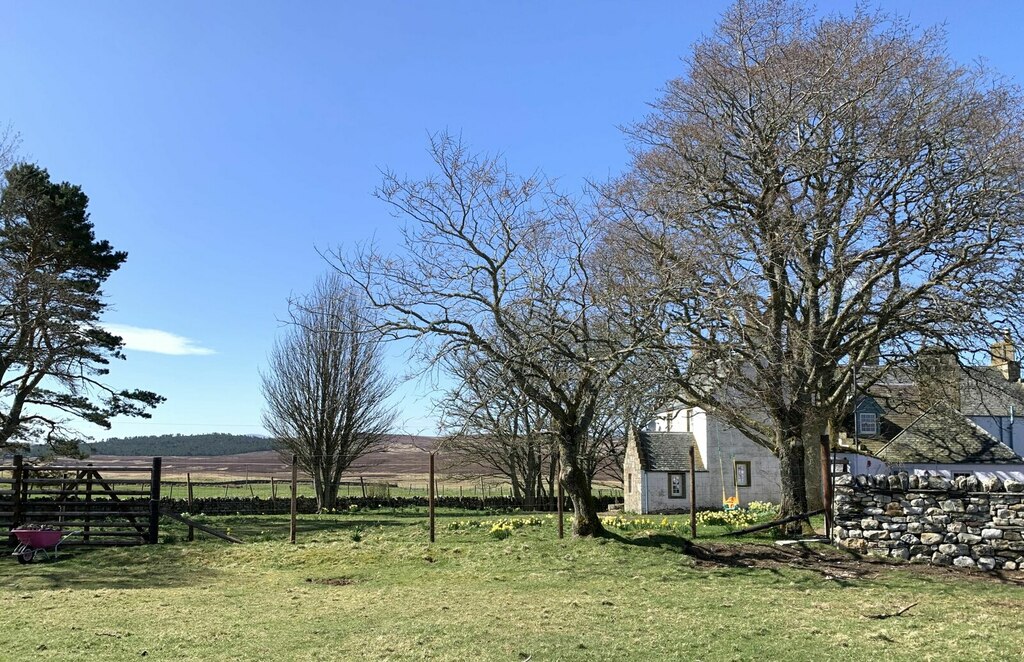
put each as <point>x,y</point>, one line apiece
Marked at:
<point>38,541</point>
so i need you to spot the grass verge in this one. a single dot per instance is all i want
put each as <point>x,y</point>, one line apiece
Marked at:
<point>371,586</point>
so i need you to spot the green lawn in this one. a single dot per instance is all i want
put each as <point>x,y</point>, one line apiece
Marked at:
<point>370,586</point>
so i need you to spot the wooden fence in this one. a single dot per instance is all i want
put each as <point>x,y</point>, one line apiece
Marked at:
<point>106,504</point>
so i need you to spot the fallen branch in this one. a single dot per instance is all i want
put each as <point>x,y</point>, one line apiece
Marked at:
<point>775,523</point>
<point>201,527</point>
<point>880,617</point>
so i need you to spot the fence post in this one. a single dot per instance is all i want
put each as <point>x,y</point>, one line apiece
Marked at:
<point>17,488</point>
<point>273,488</point>
<point>561,505</point>
<point>431,497</point>
<point>826,483</point>
<point>295,496</point>
<point>154,502</point>
<point>693,493</point>
<point>362,486</point>
<point>191,512</point>
<point>88,502</point>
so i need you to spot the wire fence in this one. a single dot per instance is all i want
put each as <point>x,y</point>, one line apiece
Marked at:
<point>222,477</point>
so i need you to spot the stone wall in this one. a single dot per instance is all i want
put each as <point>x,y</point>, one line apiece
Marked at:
<point>966,522</point>
<point>305,505</point>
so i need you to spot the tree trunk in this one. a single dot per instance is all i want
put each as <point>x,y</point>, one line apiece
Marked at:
<point>812,467</point>
<point>586,522</point>
<point>791,454</point>
<point>318,485</point>
<point>325,489</point>
<point>329,499</point>
<point>517,490</point>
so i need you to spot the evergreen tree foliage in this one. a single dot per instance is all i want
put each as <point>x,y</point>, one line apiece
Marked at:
<point>54,354</point>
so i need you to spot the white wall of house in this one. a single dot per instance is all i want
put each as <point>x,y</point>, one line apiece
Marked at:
<point>721,446</point>
<point>863,464</point>
<point>727,446</point>
<point>656,498</point>
<point>699,422</point>
<point>1000,427</point>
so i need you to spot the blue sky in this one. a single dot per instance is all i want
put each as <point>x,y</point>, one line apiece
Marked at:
<point>223,143</point>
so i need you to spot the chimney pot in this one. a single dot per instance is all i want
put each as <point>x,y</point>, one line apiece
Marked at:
<point>1004,357</point>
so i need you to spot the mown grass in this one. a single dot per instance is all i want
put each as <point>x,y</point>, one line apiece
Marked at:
<point>371,586</point>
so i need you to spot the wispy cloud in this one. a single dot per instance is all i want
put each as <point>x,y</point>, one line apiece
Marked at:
<point>157,341</point>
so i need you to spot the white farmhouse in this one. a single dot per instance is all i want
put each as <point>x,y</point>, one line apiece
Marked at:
<point>657,471</point>
<point>940,419</point>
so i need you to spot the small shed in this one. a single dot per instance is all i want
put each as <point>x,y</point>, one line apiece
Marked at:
<point>657,471</point>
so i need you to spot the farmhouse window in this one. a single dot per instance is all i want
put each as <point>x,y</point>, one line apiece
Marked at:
<point>677,486</point>
<point>741,473</point>
<point>868,423</point>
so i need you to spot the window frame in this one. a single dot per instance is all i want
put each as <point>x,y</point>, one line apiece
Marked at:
<point>872,418</point>
<point>685,477</point>
<point>736,474</point>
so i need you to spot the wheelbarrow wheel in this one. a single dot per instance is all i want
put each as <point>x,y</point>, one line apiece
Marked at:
<point>26,556</point>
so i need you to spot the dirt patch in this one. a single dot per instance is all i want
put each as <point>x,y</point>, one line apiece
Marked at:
<point>331,581</point>
<point>833,564</point>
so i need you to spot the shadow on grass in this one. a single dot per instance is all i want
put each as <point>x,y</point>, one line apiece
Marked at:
<point>249,529</point>
<point>732,557</point>
<point>143,567</point>
<point>842,567</point>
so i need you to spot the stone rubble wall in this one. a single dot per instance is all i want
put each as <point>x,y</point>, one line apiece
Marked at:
<point>966,522</point>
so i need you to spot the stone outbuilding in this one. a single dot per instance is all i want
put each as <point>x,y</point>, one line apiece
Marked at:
<point>657,472</point>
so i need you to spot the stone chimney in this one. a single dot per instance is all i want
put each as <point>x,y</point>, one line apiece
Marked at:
<point>938,377</point>
<point>1004,357</point>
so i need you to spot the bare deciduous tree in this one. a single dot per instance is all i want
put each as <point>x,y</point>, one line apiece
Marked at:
<point>492,428</point>
<point>814,192</point>
<point>326,387</point>
<point>497,265</point>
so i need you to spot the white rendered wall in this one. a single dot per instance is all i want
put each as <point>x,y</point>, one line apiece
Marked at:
<point>765,484</point>
<point>1000,428</point>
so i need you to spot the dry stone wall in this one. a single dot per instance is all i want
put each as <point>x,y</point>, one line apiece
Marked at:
<point>966,522</point>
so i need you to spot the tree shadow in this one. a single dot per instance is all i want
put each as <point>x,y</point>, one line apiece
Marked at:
<point>105,568</point>
<point>841,567</point>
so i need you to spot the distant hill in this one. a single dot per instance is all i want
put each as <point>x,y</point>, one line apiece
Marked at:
<point>214,443</point>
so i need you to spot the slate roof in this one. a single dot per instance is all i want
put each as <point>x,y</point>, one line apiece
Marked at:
<point>926,420</point>
<point>943,435</point>
<point>972,390</point>
<point>667,451</point>
<point>984,391</point>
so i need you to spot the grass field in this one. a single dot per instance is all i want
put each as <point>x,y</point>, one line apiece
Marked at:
<point>370,586</point>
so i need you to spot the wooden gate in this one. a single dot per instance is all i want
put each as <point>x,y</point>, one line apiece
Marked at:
<point>110,505</point>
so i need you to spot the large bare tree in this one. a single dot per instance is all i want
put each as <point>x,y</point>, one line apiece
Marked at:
<point>497,265</point>
<point>492,428</point>
<point>327,388</point>
<point>813,193</point>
